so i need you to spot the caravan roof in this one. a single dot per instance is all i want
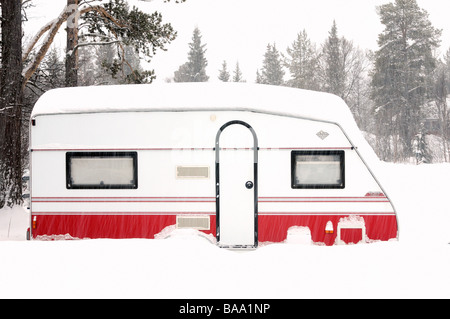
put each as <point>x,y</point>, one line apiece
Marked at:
<point>180,97</point>
<point>194,96</point>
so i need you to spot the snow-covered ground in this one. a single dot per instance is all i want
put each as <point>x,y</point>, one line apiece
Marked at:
<point>187,265</point>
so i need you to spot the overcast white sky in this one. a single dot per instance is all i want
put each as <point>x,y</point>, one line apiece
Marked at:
<point>239,30</point>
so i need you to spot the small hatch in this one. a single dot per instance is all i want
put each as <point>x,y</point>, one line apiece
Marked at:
<point>192,172</point>
<point>195,222</point>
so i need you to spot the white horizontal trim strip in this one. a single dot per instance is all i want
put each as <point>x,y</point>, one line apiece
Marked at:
<point>208,199</point>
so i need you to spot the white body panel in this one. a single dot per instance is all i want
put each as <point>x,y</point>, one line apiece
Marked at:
<point>165,140</point>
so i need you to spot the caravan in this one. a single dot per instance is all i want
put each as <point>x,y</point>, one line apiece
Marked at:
<point>246,163</point>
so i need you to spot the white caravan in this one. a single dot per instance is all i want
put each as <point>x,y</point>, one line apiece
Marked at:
<point>243,162</point>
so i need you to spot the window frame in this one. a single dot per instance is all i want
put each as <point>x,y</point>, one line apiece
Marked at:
<point>339,153</point>
<point>84,154</point>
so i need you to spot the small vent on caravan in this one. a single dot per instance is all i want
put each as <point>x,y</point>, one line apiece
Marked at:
<point>196,222</point>
<point>192,172</point>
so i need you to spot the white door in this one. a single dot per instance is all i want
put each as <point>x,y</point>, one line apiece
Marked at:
<point>236,185</point>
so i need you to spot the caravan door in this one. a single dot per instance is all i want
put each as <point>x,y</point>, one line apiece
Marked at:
<point>237,185</point>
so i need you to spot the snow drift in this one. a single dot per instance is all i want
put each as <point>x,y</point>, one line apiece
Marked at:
<point>185,265</point>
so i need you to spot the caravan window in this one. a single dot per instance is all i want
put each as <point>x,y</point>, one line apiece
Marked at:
<point>318,169</point>
<point>101,170</point>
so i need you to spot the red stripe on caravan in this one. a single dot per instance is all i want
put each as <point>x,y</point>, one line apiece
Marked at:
<point>181,149</point>
<point>308,148</point>
<point>310,197</point>
<point>113,197</point>
<point>121,149</point>
<point>123,199</point>
<point>324,201</point>
<point>119,213</point>
<point>206,199</point>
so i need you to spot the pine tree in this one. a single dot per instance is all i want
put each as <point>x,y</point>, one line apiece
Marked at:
<point>403,62</point>
<point>194,70</point>
<point>237,74</point>
<point>333,72</point>
<point>224,75</point>
<point>72,42</point>
<point>103,23</point>
<point>303,63</point>
<point>272,71</point>
<point>11,98</point>
<point>342,72</point>
<point>109,69</point>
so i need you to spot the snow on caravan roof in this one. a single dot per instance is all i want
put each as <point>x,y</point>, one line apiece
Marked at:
<point>179,97</point>
<point>194,96</point>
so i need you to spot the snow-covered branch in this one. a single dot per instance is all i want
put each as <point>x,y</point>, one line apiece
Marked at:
<point>84,44</point>
<point>35,39</point>
<point>51,28</point>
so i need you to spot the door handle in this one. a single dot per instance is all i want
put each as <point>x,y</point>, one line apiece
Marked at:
<point>249,185</point>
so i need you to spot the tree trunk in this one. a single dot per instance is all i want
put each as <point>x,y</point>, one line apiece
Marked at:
<point>72,42</point>
<point>11,103</point>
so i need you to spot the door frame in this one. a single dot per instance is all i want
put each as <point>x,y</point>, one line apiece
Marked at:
<point>255,182</point>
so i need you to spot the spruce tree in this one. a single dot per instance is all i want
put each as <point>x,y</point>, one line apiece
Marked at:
<point>333,72</point>
<point>272,71</point>
<point>342,68</point>
<point>224,75</point>
<point>237,74</point>
<point>403,62</point>
<point>194,70</point>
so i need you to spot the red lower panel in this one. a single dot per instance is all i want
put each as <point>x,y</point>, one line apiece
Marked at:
<point>274,228</point>
<point>271,228</point>
<point>105,226</point>
<point>351,236</point>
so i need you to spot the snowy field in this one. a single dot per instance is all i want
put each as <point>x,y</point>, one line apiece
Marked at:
<point>187,265</point>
